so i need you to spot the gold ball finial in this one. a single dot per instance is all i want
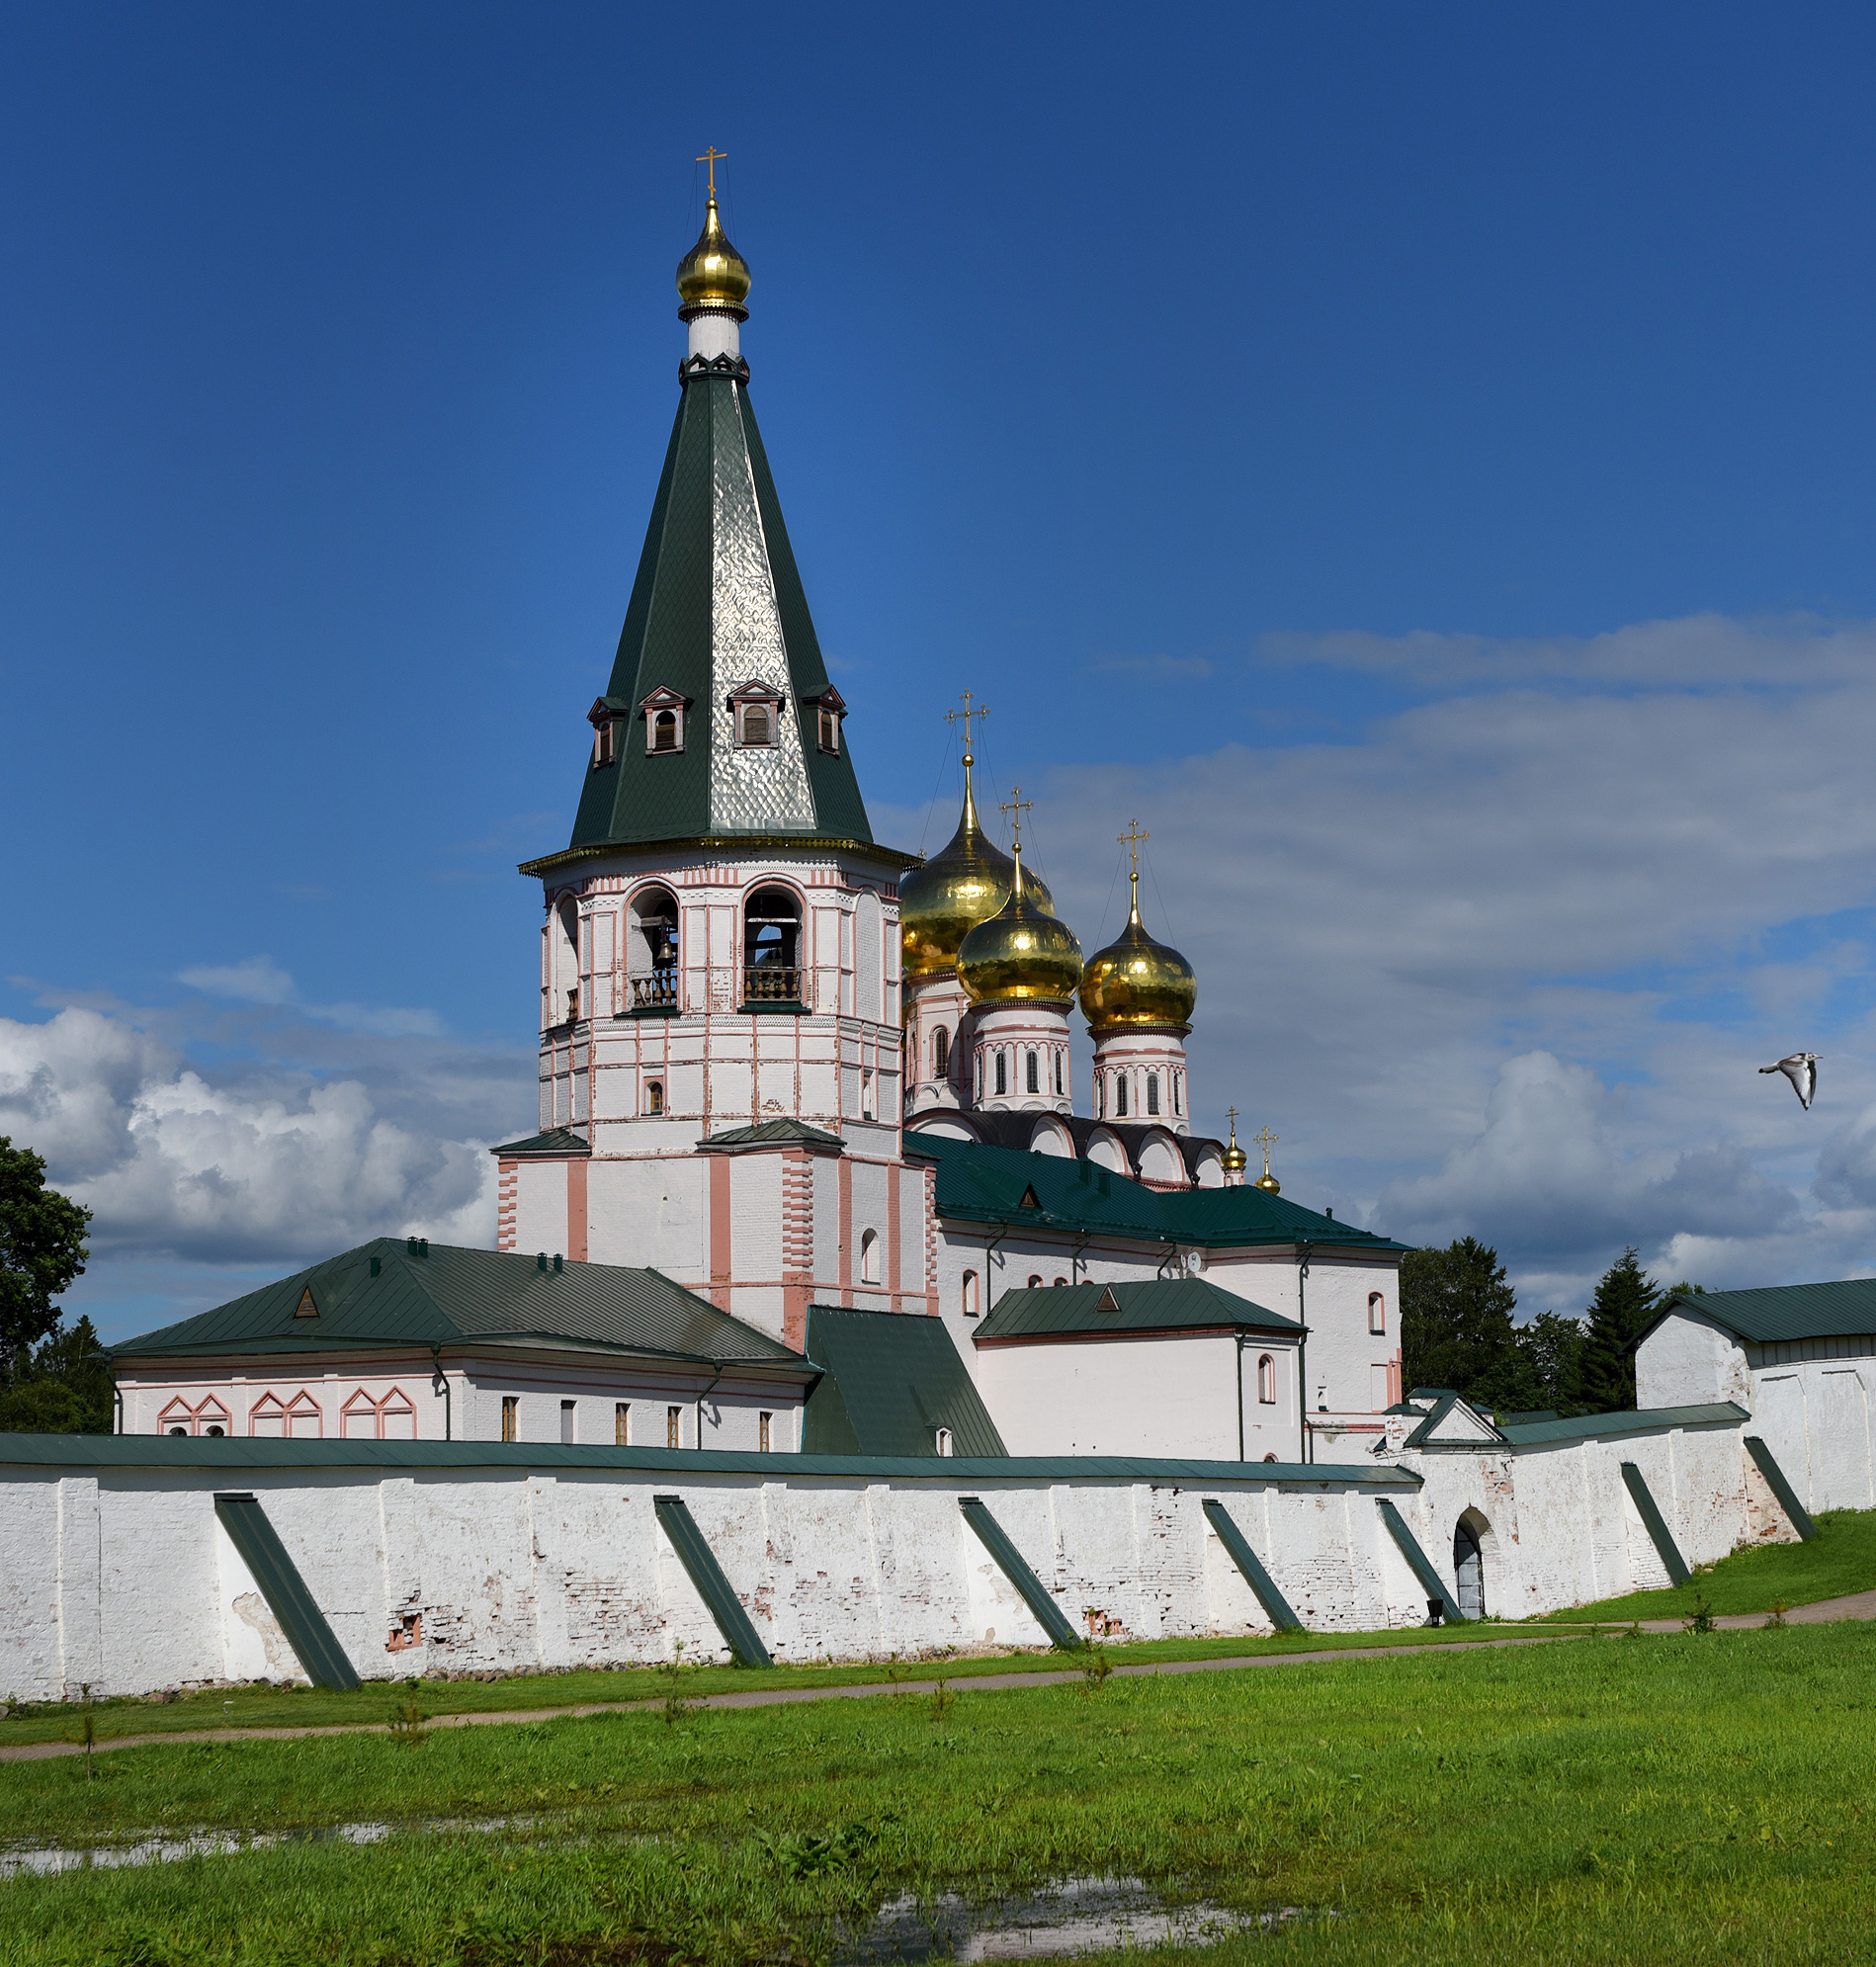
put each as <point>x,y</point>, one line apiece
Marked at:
<point>713,278</point>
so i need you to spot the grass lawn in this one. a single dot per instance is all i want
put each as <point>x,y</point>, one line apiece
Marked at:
<point>1839,1560</point>
<point>314,1707</point>
<point>1690,1797</point>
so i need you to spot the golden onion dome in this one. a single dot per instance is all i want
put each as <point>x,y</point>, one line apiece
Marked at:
<point>1135,981</point>
<point>1020,955</point>
<point>712,274</point>
<point>1235,1158</point>
<point>964,884</point>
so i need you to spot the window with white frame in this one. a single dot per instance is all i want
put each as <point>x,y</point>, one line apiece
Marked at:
<point>1119,1095</point>
<point>511,1417</point>
<point>1003,1071</point>
<point>674,1427</point>
<point>757,711</point>
<point>944,1440</point>
<point>1059,1069</point>
<point>1267,1380</point>
<point>603,743</point>
<point>663,714</point>
<point>570,1422</point>
<point>1179,1094</point>
<point>621,1424</point>
<point>654,1097</point>
<point>1377,1311</point>
<point>870,1257</point>
<point>1152,1093</point>
<point>1032,1073</point>
<point>763,1424</point>
<point>968,1294</point>
<point>940,1053</point>
<point>830,730</point>
<point>664,735</point>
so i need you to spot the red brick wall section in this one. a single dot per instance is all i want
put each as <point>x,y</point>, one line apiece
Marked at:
<point>507,1193</point>
<point>576,1211</point>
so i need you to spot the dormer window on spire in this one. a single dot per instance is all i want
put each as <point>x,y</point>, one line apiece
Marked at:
<point>830,706</point>
<point>604,741</point>
<point>663,714</point>
<point>757,710</point>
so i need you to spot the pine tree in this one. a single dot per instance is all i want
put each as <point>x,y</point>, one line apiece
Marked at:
<point>1456,1328</point>
<point>1626,1299</point>
<point>1553,1344</point>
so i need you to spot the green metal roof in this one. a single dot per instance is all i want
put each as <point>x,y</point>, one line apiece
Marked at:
<point>979,1182</point>
<point>1170,1304</point>
<point>452,1295</point>
<point>1780,1312</point>
<point>669,636</point>
<point>1633,1420</point>
<point>241,1453</point>
<point>773,1133</point>
<point>894,1379</point>
<point>556,1142</point>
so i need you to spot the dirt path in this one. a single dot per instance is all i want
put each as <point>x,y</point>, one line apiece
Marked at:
<point>1861,1605</point>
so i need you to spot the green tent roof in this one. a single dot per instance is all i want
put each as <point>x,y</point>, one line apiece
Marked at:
<point>1781,1313</point>
<point>716,585</point>
<point>894,1379</point>
<point>982,1183</point>
<point>452,1295</point>
<point>1171,1304</point>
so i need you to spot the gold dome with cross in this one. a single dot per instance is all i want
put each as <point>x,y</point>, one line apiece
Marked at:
<point>1135,982</point>
<point>713,276</point>
<point>1019,955</point>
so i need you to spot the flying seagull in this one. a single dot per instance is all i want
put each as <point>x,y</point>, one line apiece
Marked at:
<point>1801,1069</point>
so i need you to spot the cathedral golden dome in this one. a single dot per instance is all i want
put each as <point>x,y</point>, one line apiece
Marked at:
<point>1021,954</point>
<point>1135,981</point>
<point>712,274</point>
<point>1235,1158</point>
<point>962,885</point>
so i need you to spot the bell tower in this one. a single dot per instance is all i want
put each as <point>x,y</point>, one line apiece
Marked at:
<point>719,1085</point>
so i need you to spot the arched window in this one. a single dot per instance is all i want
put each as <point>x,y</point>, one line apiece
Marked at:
<point>1119,1095</point>
<point>655,1096</point>
<point>940,1053</point>
<point>1058,1092</point>
<point>1100,1095</point>
<point>870,1257</point>
<point>1152,1093</point>
<point>1179,1094</point>
<point>944,1440</point>
<point>664,731</point>
<point>772,929</point>
<point>652,950</point>
<point>566,963</point>
<point>1377,1311</point>
<point>1035,1280</point>
<point>1270,1458</point>
<point>1003,1071</point>
<point>976,1077</point>
<point>211,1417</point>
<point>1062,1283</point>
<point>1267,1380</point>
<point>1032,1076</point>
<point>969,1294</point>
<point>603,743</point>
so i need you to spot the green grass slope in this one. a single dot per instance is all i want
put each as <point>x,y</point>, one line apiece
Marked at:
<point>1678,1798</point>
<point>1838,1560</point>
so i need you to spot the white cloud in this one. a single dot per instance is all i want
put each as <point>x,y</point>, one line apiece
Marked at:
<point>256,1165</point>
<point>261,980</point>
<point>1509,962</point>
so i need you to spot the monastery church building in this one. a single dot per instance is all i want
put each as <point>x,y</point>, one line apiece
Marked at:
<point>809,1172</point>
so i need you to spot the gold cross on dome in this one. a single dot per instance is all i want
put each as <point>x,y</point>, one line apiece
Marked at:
<point>713,157</point>
<point>1017,805</point>
<point>964,716</point>
<point>1266,1141</point>
<point>1130,840</point>
<point>1230,1114</point>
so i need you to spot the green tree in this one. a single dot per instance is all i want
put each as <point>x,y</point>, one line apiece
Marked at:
<point>1553,1343</point>
<point>1626,1299</point>
<point>42,1249</point>
<point>1456,1327</point>
<point>63,1387</point>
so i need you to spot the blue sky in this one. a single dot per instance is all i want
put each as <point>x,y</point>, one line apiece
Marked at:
<point>1418,463</point>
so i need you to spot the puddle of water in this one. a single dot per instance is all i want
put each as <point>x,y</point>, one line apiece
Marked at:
<point>1078,1916</point>
<point>45,1860</point>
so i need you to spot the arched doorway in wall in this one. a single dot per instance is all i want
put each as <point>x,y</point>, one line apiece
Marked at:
<point>1472,1536</point>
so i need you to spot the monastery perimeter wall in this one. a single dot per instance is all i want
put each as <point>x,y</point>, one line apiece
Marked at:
<point>430,1558</point>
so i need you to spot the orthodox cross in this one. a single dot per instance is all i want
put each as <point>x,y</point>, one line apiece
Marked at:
<point>1016,804</point>
<point>1266,1141</point>
<point>1130,840</point>
<point>713,157</point>
<point>1230,1114</point>
<point>964,716</point>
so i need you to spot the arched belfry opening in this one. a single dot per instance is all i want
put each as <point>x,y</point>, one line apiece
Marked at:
<point>652,950</point>
<point>1471,1536</point>
<point>771,947</point>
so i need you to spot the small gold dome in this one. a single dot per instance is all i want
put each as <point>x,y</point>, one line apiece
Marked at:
<point>712,274</point>
<point>1020,955</point>
<point>1235,1158</point>
<point>1137,981</point>
<point>962,885</point>
<point>1268,1182</point>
